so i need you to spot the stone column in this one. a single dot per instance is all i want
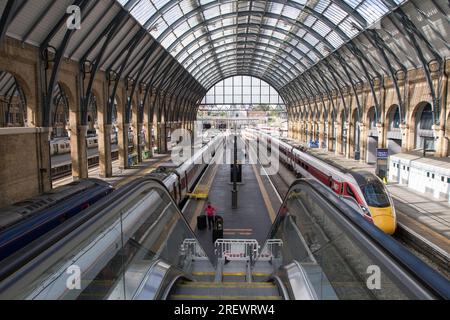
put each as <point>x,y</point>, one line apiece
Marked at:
<point>339,146</point>
<point>322,134</point>
<point>78,151</point>
<point>104,140</point>
<point>405,136</point>
<point>363,142</point>
<point>162,138</point>
<point>137,136</point>
<point>381,135</point>
<point>122,140</point>
<point>349,141</point>
<point>439,141</point>
<point>147,126</point>
<point>104,149</point>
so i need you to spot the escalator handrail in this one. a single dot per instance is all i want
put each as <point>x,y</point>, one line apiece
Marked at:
<point>14,262</point>
<point>421,272</point>
<point>34,251</point>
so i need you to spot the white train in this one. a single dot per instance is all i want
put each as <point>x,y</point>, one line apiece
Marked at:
<point>425,175</point>
<point>62,146</point>
<point>360,189</point>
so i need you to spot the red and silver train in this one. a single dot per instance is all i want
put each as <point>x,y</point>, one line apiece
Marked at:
<point>361,189</point>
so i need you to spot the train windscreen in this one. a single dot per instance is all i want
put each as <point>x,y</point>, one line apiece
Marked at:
<point>373,190</point>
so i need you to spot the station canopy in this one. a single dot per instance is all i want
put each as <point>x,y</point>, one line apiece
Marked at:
<point>273,40</point>
<point>302,48</point>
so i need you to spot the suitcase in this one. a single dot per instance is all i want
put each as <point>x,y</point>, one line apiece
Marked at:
<point>217,234</point>
<point>201,222</point>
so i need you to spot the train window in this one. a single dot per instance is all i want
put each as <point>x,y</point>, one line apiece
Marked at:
<point>428,174</point>
<point>403,167</point>
<point>407,169</point>
<point>442,179</point>
<point>432,176</point>
<point>375,194</point>
<point>448,180</point>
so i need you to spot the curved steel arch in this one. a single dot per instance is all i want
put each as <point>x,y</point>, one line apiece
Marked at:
<point>246,55</point>
<point>231,70</point>
<point>231,75</point>
<point>243,62</point>
<point>289,20</point>
<point>244,42</point>
<point>230,66</point>
<point>261,26</point>
<point>277,83</point>
<point>195,71</point>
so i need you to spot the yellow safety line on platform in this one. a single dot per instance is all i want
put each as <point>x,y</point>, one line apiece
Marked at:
<point>265,195</point>
<point>261,274</point>
<point>234,274</point>
<point>200,203</point>
<point>201,273</point>
<point>203,284</point>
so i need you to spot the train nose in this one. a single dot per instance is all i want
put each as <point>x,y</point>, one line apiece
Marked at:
<point>384,219</point>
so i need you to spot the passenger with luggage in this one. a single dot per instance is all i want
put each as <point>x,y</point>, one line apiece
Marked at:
<point>210,212</point>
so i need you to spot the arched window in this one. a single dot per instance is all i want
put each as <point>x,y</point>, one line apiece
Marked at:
<point>394,119</point>
<point>424,124</point>
<point>13,110</point>
<point>240,94</point>
<point>371,118</point>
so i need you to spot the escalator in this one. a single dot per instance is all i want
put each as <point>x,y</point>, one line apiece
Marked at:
<point>139,246</point>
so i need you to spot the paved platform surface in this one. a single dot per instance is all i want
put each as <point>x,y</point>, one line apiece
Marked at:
<point>254,215</point>
<point>121,177</point>
<point>424,214</point>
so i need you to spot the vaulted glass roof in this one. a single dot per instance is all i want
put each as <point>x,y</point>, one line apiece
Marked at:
<point>273,40</point>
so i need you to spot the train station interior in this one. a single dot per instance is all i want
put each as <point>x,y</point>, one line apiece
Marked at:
<point>224,150</point>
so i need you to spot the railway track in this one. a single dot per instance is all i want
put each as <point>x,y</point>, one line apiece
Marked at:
<point>426,250</point>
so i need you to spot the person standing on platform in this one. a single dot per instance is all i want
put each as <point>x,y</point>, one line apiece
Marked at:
<point>210,212</point>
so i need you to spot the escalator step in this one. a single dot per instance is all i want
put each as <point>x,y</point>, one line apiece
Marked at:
<point>203,284</point>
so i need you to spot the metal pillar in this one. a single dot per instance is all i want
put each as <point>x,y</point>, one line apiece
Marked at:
<point>234,196</point>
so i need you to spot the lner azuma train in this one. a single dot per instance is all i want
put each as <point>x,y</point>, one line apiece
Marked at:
<point>361,189</point>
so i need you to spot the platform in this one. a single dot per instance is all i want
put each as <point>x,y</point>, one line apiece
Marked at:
<point>254,215</point>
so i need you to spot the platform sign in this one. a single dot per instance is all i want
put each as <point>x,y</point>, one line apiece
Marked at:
<point>382,162</point>
<point>382,154</point>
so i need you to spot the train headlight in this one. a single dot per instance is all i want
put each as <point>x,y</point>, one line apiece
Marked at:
<point>366,211</point>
